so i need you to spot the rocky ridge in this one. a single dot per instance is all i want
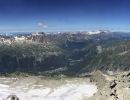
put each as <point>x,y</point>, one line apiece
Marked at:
<point>117,87</point>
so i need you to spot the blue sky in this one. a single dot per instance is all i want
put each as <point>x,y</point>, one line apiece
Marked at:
<point>64,15</point>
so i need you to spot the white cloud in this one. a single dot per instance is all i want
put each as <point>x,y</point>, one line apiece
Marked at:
<point>41,25</point>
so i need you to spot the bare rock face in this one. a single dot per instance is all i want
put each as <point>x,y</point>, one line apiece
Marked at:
<point>99,78</point>
<point>116,89</point>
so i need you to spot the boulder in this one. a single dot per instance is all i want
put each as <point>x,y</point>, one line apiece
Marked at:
<point>113,84</point>
<point>12,97</point>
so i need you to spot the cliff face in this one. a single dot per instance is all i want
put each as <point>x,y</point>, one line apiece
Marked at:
<point>64,53</point>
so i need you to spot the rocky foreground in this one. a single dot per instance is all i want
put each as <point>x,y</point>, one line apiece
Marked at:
<point>112,87</point>
<point>100,86</point>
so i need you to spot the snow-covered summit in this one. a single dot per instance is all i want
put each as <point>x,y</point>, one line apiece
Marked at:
<point>97,32</point>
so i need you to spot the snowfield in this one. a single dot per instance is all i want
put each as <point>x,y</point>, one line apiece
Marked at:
<point>67,89</point>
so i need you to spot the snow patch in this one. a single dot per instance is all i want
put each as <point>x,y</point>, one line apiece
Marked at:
<point>69,91</point>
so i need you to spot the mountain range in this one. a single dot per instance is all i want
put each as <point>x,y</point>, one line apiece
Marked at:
<point>68,53</point>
